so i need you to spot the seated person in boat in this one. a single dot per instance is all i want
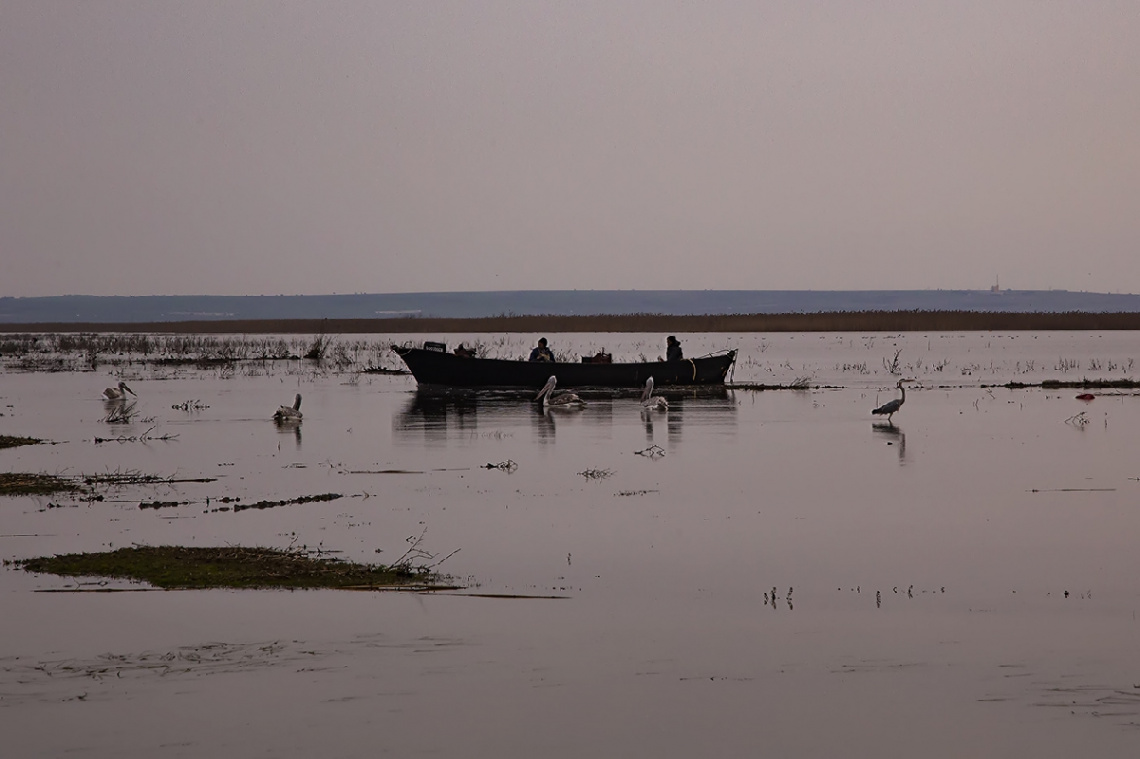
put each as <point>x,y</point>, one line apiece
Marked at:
<point>673,349</point>
<point>464,352</point>
<point>541,352</point>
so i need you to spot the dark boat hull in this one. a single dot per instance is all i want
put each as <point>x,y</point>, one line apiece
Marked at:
<point>439,369</point>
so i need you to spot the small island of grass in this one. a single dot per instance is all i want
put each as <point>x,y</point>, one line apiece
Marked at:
<point>175,567</point>
<point>27,483</point>
<point>11,441</point>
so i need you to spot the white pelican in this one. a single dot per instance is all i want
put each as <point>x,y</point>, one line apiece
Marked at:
<point>562,400</point>
<point>118,393</point>
<point>890,408</point>
<point>650,401</point>
<point>289,413</point>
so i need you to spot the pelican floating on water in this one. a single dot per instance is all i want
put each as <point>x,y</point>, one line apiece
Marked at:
<point>289,413</point>
<point>562,400</point>
<point>118,393</point>
<point>890,408</point>
<point>651,401</point>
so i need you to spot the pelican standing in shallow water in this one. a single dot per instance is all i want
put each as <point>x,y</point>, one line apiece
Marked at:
<point>562,400</point>
<point>118,393</point>
<point>289,414</point>
<point>890,408</point>
<point>651,401</point>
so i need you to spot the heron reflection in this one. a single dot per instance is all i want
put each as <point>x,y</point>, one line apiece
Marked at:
<point>892,435</point>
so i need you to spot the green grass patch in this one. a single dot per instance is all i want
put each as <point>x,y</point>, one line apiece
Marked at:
<point>11,441</point>
<point>25,483</point>
<point>174,567</point>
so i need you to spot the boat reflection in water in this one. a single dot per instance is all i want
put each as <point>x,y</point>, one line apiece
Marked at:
<point>436,417</point>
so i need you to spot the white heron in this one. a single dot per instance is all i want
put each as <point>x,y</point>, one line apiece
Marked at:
<point>890,408</point>
<point>289,413</point>
<point>651,401</point>
<point>562,400</point>
<point>118,393</point>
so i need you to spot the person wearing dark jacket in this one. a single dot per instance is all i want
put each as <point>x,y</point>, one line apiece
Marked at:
<point>673,349</point>
<point>541,352</point>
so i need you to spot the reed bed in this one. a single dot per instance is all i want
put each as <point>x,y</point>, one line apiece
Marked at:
<point>846,321</point>
<point>86,351</point>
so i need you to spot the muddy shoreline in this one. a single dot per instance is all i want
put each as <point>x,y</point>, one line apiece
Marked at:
<point>863,321</point>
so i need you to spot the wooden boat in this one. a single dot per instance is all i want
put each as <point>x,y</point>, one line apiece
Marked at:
<point>434,366</point>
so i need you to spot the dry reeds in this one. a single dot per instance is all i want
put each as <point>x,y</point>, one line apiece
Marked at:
<point>844,321</point>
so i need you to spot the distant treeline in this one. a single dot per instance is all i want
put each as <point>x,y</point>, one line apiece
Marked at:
<point>859,321</point>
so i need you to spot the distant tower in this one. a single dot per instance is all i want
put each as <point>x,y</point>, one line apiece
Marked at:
<point>997,286</point>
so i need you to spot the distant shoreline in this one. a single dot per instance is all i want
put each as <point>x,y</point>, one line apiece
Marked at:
<point>862,321</point>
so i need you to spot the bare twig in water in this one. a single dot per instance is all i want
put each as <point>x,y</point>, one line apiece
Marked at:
<point>322,497</point>
<point>192,405</point>
<point>418,560</point>
<point>319,347</point>
<point>1072,490</point>
<point>893,366</point>
<point>145,437</point>
<point>120,413</point>
<point>134,477</point>
<point>1078,420</point>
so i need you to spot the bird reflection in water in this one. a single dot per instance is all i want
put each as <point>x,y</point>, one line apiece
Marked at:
<point>439,416</point>
<point>893,435</point>
<point>647,419</point>
<point>544,423</point>
<point>287,427</point>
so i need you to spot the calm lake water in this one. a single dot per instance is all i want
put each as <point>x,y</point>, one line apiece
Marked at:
<point>770,573</point>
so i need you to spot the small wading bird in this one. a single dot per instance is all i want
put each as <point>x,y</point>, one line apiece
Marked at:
<point>562,400</point>
<point>890,408</point>
<point>650,401</point>
<point>118,393</point>
<point>289,414</point>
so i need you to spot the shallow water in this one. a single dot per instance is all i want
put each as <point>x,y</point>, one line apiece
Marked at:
<point>961,583</point>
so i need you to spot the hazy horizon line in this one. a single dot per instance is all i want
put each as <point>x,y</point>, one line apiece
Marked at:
<point>583,290</point>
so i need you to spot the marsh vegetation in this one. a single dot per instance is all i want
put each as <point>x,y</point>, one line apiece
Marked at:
<point>11,441</point>
<point>30,483</point>
<point>180,567</point>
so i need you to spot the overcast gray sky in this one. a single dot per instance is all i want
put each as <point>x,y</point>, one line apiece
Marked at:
<point>218,147</point>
